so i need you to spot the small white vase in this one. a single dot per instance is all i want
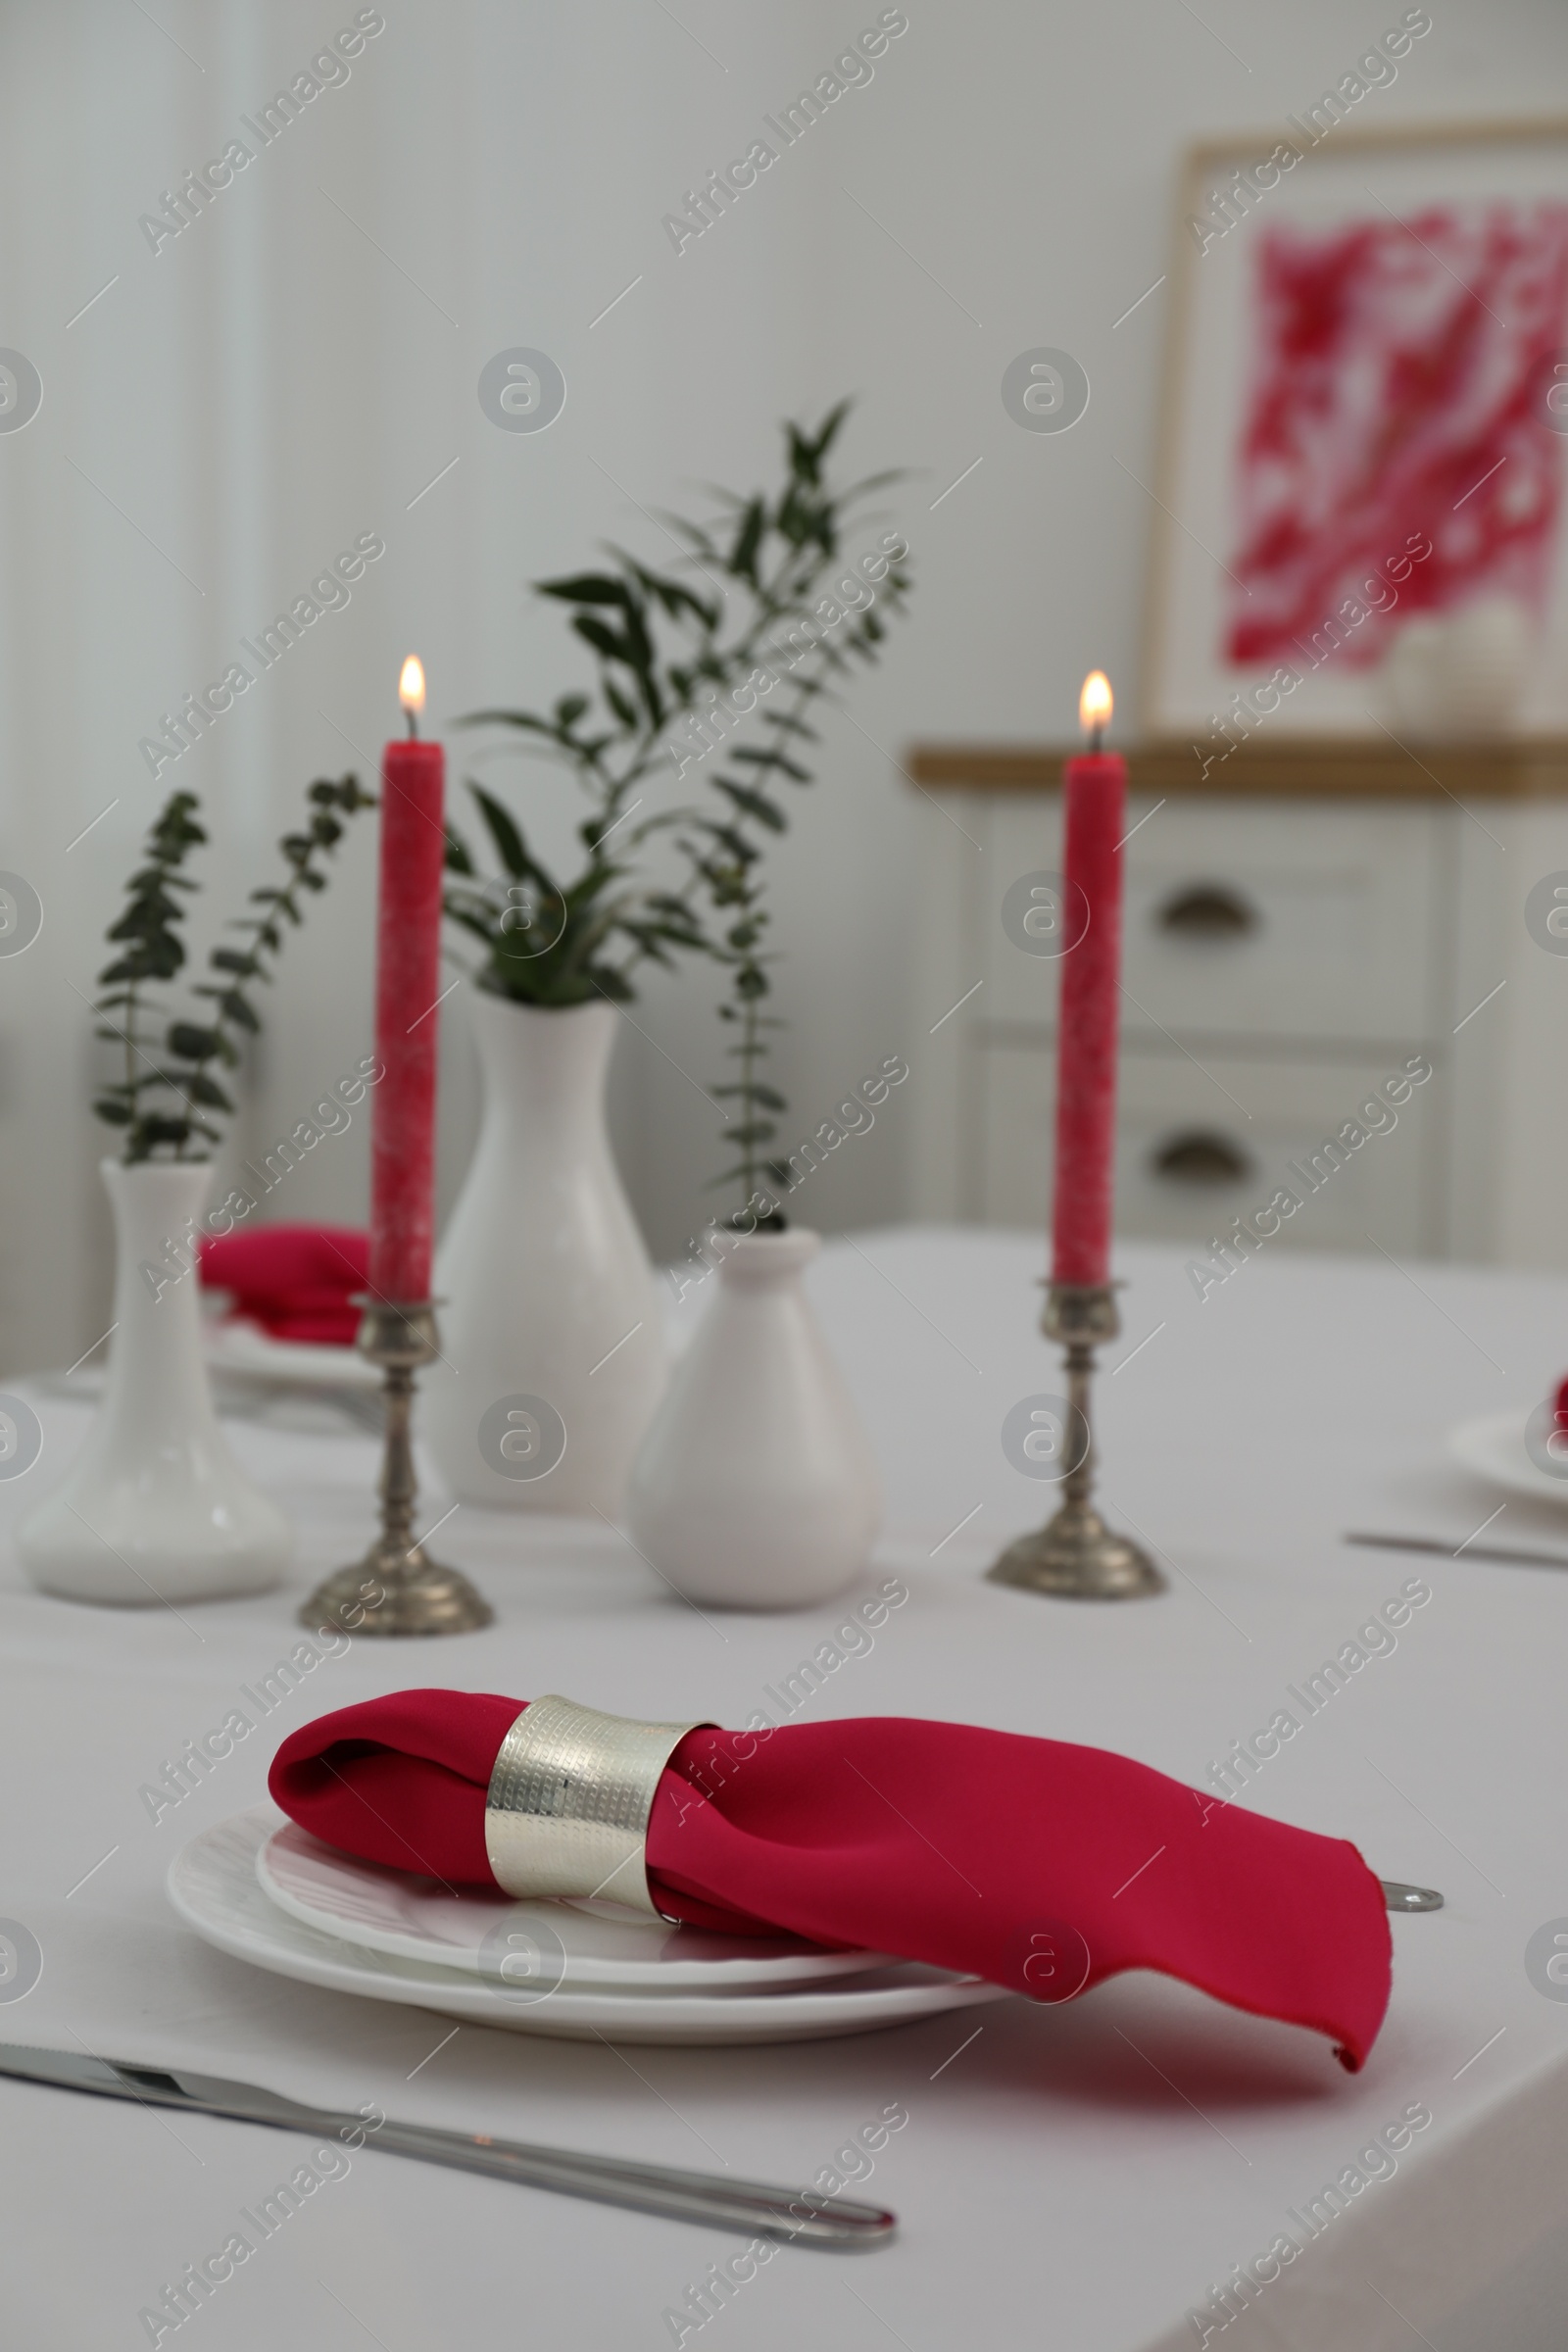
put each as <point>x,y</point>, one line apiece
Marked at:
<point>1488,667</point>
<point>756,1487</point>
<point>549,1295</point>
<point>155,1507</point>
<point>1464,674</point>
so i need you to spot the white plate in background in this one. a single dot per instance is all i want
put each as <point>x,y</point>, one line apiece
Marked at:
<point>235,1346</point>
<point>1494,1447</point>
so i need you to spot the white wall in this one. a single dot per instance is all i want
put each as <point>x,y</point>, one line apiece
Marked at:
<point>271,383</point>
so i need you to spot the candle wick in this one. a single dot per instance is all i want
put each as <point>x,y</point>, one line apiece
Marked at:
<point>1096,736</point>
<point>413,726</point>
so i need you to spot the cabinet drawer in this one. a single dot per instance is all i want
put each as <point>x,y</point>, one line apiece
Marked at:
<point>1310,922</point>
<point>1190,1159</point>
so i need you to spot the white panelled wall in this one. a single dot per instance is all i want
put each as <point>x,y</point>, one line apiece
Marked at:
<point>300,362</point>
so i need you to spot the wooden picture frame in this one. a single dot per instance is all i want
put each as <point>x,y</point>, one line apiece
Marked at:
<point>1361,195</point>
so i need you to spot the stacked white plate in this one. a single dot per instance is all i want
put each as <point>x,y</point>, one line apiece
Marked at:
<point>278,1897</point>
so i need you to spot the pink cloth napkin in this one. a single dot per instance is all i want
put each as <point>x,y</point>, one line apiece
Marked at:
<point>1039,1865</point>
<point>293,1280</point>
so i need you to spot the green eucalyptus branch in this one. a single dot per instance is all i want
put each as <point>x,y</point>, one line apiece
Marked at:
<point>153,953</point>
<point>735,885</point>
<point>170,1085</point>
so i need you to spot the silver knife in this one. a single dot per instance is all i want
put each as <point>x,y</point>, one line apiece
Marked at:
<point>806,2217</point>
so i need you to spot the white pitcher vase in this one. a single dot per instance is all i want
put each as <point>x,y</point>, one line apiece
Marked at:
<point>155,1507</point>
<point>551,1330</point>
<point>756,1487</point>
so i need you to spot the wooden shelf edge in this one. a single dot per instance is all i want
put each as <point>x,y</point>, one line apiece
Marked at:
<point>1514,767</point>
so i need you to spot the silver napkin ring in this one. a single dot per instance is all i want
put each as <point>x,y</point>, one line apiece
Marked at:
<point>569,1797</point>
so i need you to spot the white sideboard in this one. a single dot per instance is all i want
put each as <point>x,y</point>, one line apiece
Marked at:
<point>1339,915</point>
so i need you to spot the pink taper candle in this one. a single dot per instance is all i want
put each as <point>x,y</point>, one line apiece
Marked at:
<point>1095,799</point>
<point>408,963</point>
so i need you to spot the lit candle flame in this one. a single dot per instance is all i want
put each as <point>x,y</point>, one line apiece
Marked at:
<point>1095,704</point>
<point>411,685</point>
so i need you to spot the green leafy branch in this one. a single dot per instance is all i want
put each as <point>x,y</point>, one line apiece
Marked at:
<point>668,654</point>
<point>736,886</point>
<point>169,1087</point>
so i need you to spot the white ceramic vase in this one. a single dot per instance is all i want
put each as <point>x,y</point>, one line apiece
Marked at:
<point>756,1487</point>
<point>549,1294</point>
<point>155,1507</point>
<point>1463,674</point>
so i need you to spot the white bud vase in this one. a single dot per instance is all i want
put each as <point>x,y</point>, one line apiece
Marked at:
<point>155,1507</point>
<point>549,1297</point>
<point>756,1487</point>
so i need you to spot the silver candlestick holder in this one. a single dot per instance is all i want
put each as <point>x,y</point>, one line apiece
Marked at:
<point>396,1589</point>
<point>1077,1554</point>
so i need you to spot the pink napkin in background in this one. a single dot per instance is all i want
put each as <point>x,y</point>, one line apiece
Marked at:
<point>293,1280</point>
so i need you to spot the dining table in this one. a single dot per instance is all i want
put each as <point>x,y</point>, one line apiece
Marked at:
<point>1102,2174</point>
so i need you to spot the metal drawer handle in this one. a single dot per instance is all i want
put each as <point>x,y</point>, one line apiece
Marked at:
<point>1207,911</point>
<point>1199,1155</point>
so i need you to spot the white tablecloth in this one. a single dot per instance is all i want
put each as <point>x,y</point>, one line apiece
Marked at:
<point>1076,2177</point>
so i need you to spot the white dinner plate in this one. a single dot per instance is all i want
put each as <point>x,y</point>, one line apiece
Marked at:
<point>212,1884</point>
<point>1494,1447</point>
<point>235,1346</point>
<point>605,1944</point>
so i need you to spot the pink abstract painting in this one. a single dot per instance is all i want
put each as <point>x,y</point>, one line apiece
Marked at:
<point>1397,389</point>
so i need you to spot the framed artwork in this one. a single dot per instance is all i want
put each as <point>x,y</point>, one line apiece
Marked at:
<point>1361,514</point>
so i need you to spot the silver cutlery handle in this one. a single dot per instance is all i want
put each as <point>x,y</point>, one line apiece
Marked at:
<point>802,2218</point>
<point>1398,1896</point>
<point>806,2217</point>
